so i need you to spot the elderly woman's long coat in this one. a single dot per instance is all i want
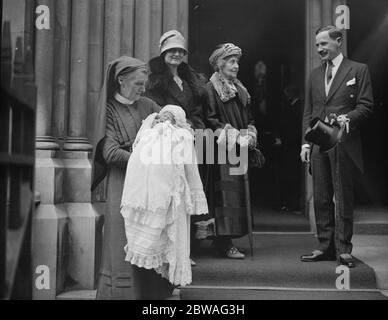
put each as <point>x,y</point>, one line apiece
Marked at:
<point>118,279</point>
<point>226,192</point>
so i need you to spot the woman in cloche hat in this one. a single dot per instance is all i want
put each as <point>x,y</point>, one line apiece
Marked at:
<point>173,81</point>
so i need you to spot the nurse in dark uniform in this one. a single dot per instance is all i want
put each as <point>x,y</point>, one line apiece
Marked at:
<point>121,111</point>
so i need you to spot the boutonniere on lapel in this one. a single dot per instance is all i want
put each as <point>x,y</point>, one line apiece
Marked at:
<point>351,82</point>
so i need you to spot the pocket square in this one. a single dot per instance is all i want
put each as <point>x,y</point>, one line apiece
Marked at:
<point>351,82</point>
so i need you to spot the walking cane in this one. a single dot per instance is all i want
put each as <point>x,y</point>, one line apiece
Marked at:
<point>344,124</point>
<point>249,211</point>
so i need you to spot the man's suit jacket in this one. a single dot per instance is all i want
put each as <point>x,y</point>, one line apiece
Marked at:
<point>350,93</point>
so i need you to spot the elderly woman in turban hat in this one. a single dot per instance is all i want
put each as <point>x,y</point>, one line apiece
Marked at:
<point>228,110</point>
<point>121,109</point>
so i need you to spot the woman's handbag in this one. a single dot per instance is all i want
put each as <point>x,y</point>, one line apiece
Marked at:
<point>256,158</point>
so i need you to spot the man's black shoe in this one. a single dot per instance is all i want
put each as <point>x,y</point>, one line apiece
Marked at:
<point>316,256</point>
<point>347,260</point>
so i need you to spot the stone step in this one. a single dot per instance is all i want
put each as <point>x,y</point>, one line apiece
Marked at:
<point>224,293</point>
<point>91,295</point>
<point>246,294</point>
<point>366,228</point>
<point>368,220</point>
<point>373,250</point>
<point>176,295</point>
<point>78,295</point>
<point>371,220</point>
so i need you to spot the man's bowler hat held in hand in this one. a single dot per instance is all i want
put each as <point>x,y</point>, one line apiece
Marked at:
<point>323,134</point>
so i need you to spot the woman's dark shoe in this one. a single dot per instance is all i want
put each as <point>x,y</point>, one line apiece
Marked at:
<point>233,253</point>
<point>316,256</point>
<point>347,260</point>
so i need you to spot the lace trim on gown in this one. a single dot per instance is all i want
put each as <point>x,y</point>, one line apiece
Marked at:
<point>153,234</point>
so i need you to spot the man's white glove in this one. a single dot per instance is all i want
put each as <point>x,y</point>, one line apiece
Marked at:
<point>344,121</point>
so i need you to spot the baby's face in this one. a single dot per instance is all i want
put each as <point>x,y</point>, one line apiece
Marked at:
<point>167,116</point>
<point>163,117</point>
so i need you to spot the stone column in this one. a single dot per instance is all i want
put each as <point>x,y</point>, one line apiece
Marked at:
<point>156,27</point>
<point>83,219</point>
<point>183,18</point>
<point>76,134</point>
<point>127,32</point>
<point>50,218</point>
<point>112,32</point>
<point>143,29</point>
<point>95,75</point>
<point>49,240</point>
<point>327,12</point>
<point>61,22</point>
<point>96,61</point>
<point>95,78</point>
<point>44,66</point>
<point>183,21</point>
<point>170,15</point>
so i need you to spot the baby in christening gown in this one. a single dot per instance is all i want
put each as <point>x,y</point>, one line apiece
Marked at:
<point>162,188</point>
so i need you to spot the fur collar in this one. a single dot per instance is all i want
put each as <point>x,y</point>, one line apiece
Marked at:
<point>226,90</point>
<point>160,77</point>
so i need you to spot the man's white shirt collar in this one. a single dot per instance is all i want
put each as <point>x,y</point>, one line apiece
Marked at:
<point>338,60</point>
<point>336,63</point>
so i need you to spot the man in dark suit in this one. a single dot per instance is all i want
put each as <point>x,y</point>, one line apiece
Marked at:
<point>339,90</point>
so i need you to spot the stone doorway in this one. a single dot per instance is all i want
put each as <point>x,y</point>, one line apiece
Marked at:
<point>273,33</point>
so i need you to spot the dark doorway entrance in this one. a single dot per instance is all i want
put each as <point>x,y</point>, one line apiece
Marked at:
<point>271,32</point>
<point>368,43</point>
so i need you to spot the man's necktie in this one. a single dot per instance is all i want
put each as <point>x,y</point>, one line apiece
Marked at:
<point>329,72</point>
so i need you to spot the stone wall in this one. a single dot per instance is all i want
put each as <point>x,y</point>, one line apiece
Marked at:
<point>84,36</point>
